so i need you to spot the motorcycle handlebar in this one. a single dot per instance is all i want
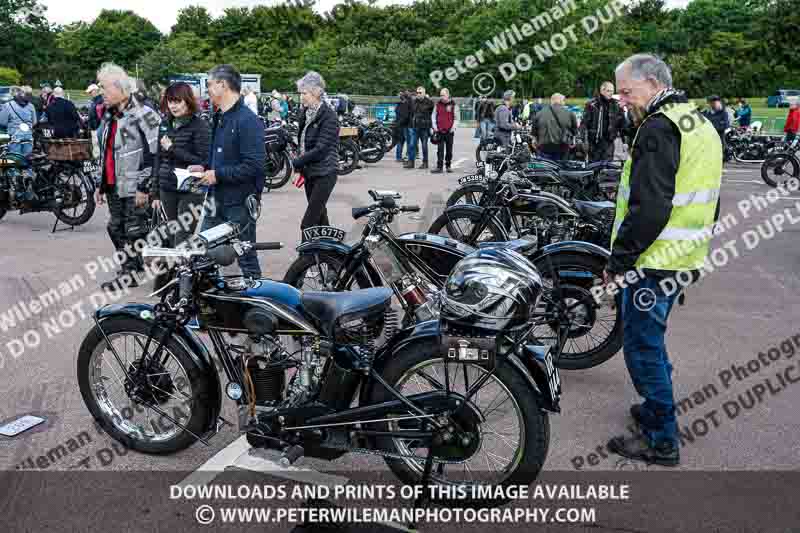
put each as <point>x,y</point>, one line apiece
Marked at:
<point>410,209</point>
<point>359,212</point>
<point>261,246</point>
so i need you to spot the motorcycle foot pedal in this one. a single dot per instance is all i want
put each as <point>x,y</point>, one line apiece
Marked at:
<point>291,455</point>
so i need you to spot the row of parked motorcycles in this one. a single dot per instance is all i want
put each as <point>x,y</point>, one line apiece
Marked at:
<point>438,351</point>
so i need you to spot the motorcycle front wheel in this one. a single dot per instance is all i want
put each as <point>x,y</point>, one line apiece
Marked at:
<point>779,167</point>
<point>502,438</point>
<point>320,272</point>
<point>279,170</point>
<point>372,148</point>
<point>126,402</point>
<point>459,223</point>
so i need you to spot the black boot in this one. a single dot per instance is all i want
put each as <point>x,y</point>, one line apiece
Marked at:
<point>409,165</point>
<point>424,164</point>
<point>638,448</point>
<point>437,170</point>
<point>449,170</point>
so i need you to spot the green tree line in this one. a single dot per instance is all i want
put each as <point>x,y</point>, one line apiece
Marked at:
<point>729,47</point>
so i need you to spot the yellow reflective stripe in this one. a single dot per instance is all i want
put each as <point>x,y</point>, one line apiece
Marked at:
<point>623,191</point>
<point>695,197</point>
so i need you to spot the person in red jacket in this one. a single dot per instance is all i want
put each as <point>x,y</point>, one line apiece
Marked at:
<point>792,122</point>
<point>444,123</point>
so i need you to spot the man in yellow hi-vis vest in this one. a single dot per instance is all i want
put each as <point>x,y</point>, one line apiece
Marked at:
<point>667,203</point>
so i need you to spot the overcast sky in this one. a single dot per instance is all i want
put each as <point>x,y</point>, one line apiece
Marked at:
<point>162,13</point>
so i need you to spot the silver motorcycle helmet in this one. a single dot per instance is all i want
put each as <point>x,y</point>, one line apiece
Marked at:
<point>492,290</point>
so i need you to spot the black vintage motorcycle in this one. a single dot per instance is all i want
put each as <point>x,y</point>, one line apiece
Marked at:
<point>782,165</point>
<point>441,403</point>
<point>34,183</point>
<point>416,266</point>
<point>514,209</point>
<point>587,182</point>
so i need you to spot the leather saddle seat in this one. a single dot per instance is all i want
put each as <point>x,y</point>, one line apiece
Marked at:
<point>592,209</point>
<point>330,308</point>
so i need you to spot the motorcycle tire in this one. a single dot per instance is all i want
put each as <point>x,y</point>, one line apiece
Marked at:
<point>389,141</point>
<point>533,431</point>
<point>579,293</point>
<point>453,219</point>
<point>76,219</point>
<point>348,157</point>
<point>117,424</point>
<point>372,142</point>
<point>774,168</point>
<point>298,271</point>
<point>281,174</point>
<point>467,194</point>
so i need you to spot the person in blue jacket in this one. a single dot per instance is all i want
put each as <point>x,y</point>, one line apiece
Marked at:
<point>744,113</point>
<point>236,161</point>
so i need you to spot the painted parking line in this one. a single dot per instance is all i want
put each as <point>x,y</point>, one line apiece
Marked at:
<point>743,181</point>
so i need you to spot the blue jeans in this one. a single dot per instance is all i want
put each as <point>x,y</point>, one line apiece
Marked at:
<point>411,143</point>
<point>487,128</point>
<point>645,309</point>
<point>237,214</point>
<point>22,149</point>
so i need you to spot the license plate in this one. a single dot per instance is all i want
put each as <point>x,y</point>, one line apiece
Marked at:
<point>474,178</point>
<point>552,377</point>
<point>328,233</point>
<point>89,167</point>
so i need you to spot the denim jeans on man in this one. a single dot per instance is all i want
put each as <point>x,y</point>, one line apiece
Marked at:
<point>236,214</point>
<point>645,309</point>
<point>422,135</point>
<point>22,149</point>
<point>411,143</point>
<point>487,128</point>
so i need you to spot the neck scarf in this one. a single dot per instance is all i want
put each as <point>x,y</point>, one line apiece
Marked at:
<point>311,113</point>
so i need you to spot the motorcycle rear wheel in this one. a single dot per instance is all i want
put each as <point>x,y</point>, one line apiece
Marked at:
<point>520,421</point>
<point>348,156</point>
<point>71,185</point>
<point>128,421</point>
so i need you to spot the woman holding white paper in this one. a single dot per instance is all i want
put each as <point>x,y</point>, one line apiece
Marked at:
<point>183,142</point>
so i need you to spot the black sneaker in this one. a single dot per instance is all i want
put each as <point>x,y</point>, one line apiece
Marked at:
<point>449,170</point>
<point>639,449</point>
<point>436,170</point>
<point>424,164</point>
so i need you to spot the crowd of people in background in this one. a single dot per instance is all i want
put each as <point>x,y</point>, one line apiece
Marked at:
<point>418,121</point>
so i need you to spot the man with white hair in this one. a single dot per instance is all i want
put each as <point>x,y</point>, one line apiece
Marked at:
<point>251,100</point>
<point>127,137</point>
<point>62,116</point>
<point>555,126</point>
<point>667,203</point>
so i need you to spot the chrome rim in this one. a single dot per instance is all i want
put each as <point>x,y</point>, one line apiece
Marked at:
<point>502,426</point>
<point>107,385</point>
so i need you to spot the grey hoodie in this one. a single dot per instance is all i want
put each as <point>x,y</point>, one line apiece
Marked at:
<point>19,120</point>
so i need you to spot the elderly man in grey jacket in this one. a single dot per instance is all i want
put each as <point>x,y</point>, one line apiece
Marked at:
<point>128,137</point>
<point>503,120</point>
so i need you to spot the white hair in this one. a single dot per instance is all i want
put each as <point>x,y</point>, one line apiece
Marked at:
<point>312,82</point>
<point>557,98</point>
<point>118,76</point>
<point>643,67</point>
<point>58,92</point>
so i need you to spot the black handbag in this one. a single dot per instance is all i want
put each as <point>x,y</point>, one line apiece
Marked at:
<point>435,138</point>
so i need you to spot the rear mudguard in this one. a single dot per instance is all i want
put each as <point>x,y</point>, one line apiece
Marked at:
<point>539,257</point>
<point>479,211</point>
<point>194,347</point>
<point>529,363</point>
<point>353,257</point>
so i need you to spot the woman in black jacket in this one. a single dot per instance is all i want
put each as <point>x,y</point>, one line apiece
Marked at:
<point>184,138</point>
<point>319,145</point>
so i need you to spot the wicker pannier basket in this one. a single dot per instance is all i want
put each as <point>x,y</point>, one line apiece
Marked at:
<point>348,132</point>
<point>68,149</point>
